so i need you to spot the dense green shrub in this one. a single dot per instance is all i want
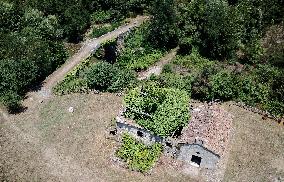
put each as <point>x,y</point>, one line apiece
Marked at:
<point>30,49</point>
<point>222,86</point>
<point>167,108</point>
<point>74,81</point>
<point>252,92</point>
<point>169,80</point>
<point>104,29</point>
<point>137,155</point>
<point>163,30</point>
<point>168,69</point>
<point>75,85</point>
<point>107,77</point>
<point>122,79</point>
<point>100,75</point>
<point>252,52</point>
<point>195,62</point>
<point>101,30</point>
<point>208,25</point>
<point>11,100</point>
<point>101,16</point>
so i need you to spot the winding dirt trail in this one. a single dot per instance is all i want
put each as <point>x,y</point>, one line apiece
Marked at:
<point>20,135</point>
<point>86,50</point>
<point>157,68</point>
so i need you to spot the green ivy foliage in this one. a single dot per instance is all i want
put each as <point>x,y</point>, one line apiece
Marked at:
<point>168,108</point>
<point>138,156</point>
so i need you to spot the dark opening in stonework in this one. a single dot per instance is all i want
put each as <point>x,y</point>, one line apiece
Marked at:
<point>140,134</point>
<point>168,144</point>
<point>178,132</point>
<point>196,160</point>
<point>113,132</point>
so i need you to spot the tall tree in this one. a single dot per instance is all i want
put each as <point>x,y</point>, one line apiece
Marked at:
<point>162,30</point>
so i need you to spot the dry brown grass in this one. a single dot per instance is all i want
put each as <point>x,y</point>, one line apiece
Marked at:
<point>51,144</point>
<point>257,151</point>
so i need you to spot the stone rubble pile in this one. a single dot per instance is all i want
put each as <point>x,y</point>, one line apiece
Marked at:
<point>210,126</point>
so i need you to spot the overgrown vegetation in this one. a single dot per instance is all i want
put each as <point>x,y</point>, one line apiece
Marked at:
<point>255,86</point>
<point>138,156</point>
<point>30,50</point>
<point>215,37</point>
<point>138,54</point>
<point>100,30</point>
<point>226,48</point>
<point>160,110</point>
<point>101,76</point>
<point>32,35</point>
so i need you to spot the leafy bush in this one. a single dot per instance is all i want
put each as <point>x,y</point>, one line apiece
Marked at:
<point>101,30</point>
<point>75,85</point>
<point>170,80</point>
<point>208,25</point>
<point>167,108</point>
<point>168,69</point>
<point>252,92</point>
<point>162,32</point>
<point>104,29</point>
<point>122,79</point>
<point>74,81</point>
<point>107,77</point>
<point>137,155</point>
<point>100,75</point>
<point>11,100</point>
<point>222,86</point>
<point>195,62</point>
<point>101,16</point>
<point>252,52</point>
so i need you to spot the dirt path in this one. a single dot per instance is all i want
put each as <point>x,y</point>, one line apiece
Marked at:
<point>157,68</point>
<point>88,47</point>
<point>22,140</point>
<point>86,50</point>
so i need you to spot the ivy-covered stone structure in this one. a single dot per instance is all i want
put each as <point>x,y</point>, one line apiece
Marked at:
<point>202,143</point>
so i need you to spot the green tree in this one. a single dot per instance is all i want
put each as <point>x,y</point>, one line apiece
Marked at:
<point>162,30</point>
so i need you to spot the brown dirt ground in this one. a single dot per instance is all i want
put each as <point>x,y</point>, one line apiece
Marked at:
<point>257,150</point>
<point>50,144</point>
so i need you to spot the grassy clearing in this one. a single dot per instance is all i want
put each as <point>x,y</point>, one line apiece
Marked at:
<point>69,146</point>
<point>257,152</point>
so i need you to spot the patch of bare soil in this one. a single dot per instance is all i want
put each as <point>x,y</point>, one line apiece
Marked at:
<point>157,68</point>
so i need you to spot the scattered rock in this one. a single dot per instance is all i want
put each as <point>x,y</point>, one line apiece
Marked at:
<point>71,109</point>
